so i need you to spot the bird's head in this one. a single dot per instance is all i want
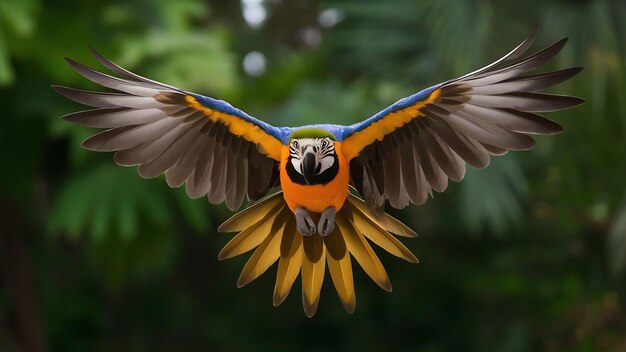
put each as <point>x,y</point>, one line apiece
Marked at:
<point>313,158</point>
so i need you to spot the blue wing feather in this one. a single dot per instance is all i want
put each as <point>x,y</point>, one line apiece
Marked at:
<point>346,131</point>
<point>280,133</point>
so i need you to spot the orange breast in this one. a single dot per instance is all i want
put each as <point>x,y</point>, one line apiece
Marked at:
<point>316,198</point>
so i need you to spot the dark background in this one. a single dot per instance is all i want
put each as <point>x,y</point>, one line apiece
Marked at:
<point>527,255</point>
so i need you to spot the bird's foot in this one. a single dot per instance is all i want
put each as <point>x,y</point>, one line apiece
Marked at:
<point>326,224</point>
<point>304,222</point>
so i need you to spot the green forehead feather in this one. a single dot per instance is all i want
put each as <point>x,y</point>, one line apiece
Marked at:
<point>311,133</point>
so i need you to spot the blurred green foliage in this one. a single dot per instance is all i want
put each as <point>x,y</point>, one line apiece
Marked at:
<point>526,255</point>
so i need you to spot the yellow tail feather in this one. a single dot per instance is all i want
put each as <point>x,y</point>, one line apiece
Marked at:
<point>253,213</point>
<point>251,236</point>
<point>388,222</point>
<point>269,226</point>
<point>313,268</point>
<point>336,245</point>
<point>341,273</point>
<point>264,256</point>
<point>380,236</point>
<point>364,254</point>
<point>288,270</point>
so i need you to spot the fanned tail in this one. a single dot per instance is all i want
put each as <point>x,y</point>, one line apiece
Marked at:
<point>269,226</point>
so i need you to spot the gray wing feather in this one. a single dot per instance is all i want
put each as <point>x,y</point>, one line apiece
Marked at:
<point>108,100</point>
<point>451,164</point>
<point>526,102</point>
<point>122,72</point>
<point>516,69</point>
<point>514,120</point>
<point>393,181</point>
<point>187,164</point>
<point>422,184</point>
<point>512,55</point>
<point>218,170</point>
<point>151,149</point>
<point>490,134</point>
<point>170,156</point>
<point>116,83</point>
<point>408,172</point>
<point>125,138</point>
<point>115,117</point>
<point>530,83</point>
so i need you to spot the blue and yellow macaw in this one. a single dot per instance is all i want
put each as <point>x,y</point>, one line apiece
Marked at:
<point>401,154</point>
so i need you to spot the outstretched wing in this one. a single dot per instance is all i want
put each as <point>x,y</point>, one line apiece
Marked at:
<point>413,147</point>
<point>216,149</point>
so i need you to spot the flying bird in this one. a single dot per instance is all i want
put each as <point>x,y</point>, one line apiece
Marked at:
<point>316,193</point>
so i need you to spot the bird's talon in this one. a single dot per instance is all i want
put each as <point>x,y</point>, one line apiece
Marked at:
<point>304,222</point>
<point>326,224</point>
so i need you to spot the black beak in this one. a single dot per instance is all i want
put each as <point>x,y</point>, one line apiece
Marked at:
<point>308,167</point>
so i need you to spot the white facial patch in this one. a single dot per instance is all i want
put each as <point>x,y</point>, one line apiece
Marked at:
<point>297,164</point>
<point>325,164</point>
<point>322,148</point>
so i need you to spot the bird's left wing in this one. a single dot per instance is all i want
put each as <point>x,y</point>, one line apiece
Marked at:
<point>413,147</point>
<point>216,149</point>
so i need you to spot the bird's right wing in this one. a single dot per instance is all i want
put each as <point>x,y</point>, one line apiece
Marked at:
<point>216,149</point>
<point>413,147</point>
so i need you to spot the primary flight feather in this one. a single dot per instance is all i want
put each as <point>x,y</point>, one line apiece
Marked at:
<point>399,155</point>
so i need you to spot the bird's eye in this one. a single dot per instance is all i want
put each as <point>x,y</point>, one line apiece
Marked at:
<point>295,144</point>
<point>324,143</point>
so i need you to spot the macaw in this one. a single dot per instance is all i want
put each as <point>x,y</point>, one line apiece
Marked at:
<point>314,220</point>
